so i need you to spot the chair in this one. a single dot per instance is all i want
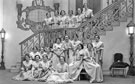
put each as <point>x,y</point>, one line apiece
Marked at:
<point>118,65</point>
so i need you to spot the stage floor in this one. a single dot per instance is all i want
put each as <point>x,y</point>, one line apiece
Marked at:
<point>5,78</point>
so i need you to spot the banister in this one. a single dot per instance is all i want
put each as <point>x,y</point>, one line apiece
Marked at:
<point>82,25</point>
<point>100,12</point>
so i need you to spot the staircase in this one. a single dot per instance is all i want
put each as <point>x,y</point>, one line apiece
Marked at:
<point>102,22</point>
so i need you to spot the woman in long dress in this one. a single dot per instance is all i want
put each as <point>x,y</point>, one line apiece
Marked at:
<point>98,75</point>
<point>46,68</point>
<point>25,72</point>
<point>61,74</point>
<point>75,42</point>
<point>88,13</point>
<point>36,68</point>
<point>98,48</point>
<point>48,20</point>
<point>79,16</point>
<point>56,19</point>
<point>67,46</point>
<point>57,52</point>
<point>63,19</point>
<point>71,19</point>
<point>84,61</point>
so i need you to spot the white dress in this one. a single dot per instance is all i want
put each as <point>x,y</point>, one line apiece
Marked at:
<point>45,70</point>
<point>71,21</point>
<point>56,22</point>
<point>68,52</point>
<point>36,69</point>
<point>88,12</point>
<point>98,47</point>
<point>84,61</point>
<point>74,44</point>
<point>48,21</point>
<point>26,73</point>
<point>58,51</point>
<point>61,75</point>
<point>63,21</point>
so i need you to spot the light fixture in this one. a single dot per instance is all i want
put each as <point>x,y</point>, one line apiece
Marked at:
<point>131,27</point>
<point>2,32</point>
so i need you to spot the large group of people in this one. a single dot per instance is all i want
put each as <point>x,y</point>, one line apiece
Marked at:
<point>63,62</point>
<point>70,20</point>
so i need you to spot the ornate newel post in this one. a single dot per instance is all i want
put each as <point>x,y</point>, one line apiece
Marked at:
<point>131,27</point>
<point>2,67</point>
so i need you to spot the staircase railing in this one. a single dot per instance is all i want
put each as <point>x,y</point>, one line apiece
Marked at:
<point>102,21</point>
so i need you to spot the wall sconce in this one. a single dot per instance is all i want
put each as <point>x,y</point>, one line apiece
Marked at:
<point>2,32</point>
<point>131,27</point>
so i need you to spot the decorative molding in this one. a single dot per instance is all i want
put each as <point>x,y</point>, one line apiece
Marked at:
<point>32,17</point>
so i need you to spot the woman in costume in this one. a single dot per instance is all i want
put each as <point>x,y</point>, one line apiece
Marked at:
<point>75,42</point>
<point>79,16</point>
<point>48,19</point>
<point>34,53</point>
<point>25,72</point>
<point>71,19</point>
<point>57,52</point>
<point>63,19</point>
<point>97,75</point>
<point>61,74</point>
<point>56,19</point>
<point>67,46</point>
<point>88,13</point>
<point>98,48</point>
<point>36,68</point>
<point>85,61</point>
<point>45,68</point>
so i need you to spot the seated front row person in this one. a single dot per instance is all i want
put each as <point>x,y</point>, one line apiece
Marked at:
<point>45,65</point>
<point>25,72</point>
<point>84,61</point>
<point>61,74</point>
<point>34,52</point>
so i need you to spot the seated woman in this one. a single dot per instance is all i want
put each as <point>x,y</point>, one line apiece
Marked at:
<point>48,19</point>
<point>63,19</point>
<point>45,65</point>
<point>84,61</point>
<point>56,19</point>
<point>26,72</point>
<point>71,19</point>
<point>79,16</point>
<point>36,68</point>
<point>34,52</point>
<point>61,74</point>
<point>57,52</point>
<point>97,75</point>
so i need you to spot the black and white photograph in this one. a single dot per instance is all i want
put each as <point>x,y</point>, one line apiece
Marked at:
<point>67,41</point>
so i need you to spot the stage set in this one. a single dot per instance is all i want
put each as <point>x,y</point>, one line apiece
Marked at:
<point>66,45</point>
